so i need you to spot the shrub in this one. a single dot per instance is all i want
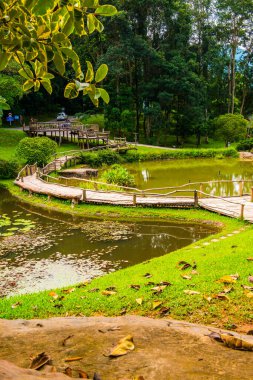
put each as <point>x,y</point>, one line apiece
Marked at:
<point>245,145</point>
<point>36,150</point>
<point>92,159</point>
<point>119,176</point>
<point>97,159</point>
<point>8,169</point>
<point>230,127</point>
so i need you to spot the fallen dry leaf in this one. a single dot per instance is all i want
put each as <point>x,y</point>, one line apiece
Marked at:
<point>74,359</point>
<point>159,289</point>
<point>236,343</point>
<point>194,272</point>
<point>227,290</point>
<point>94,290</point>
<point>148,275</point>
<point>111,288</point>
<point>164,311</point>
<point>68,291</point>
<point>139,300</point>
<point>156,304</point>
<point>138,378</point>
<point>108,293</point>
<point>16,305</point>
<point>191,292</point>
<point>227,280</point>
<point>164,283</point>
<point>221,296</point>
<point>53,295</point>
<point>247,287</point>
<point>68,371</point>
<point>124,346</point>
<point>185,277</point>
<point>135,287</point>
<point>250,278</point>
<point>250,258</point>
<point>208,298</point>
<point>82,374</point>
<point>39,360</point>
<point>249,294</point>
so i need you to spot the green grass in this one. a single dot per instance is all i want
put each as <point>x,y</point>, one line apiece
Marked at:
<point>9,139</point>
<point>213,261</point>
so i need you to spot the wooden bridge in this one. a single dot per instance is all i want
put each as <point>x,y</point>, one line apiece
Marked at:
<point>39,181</point>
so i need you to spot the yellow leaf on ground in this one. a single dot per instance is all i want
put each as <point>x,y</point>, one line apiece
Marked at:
<point>236,343</point>
<point>73,359</point>
<point>125,345</point>
<point>139,300</point>
<point>191,292</point>
<point>156,304</point>
<point>227,280</point>
<point>53,294</point>
<point>108,293</point>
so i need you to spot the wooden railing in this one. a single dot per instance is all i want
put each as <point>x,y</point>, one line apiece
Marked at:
<point>26,171</point>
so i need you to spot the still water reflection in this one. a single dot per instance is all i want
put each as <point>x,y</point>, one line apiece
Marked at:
<point>157,174</point>
<point>61,250</point>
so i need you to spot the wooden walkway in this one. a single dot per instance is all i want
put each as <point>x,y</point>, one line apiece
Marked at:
<point>31,180</point>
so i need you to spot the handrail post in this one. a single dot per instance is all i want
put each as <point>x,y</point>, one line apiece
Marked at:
<point>241,184</point>
<point>251,199</point>
<point>242,212</point>
<point>201,190</point>
<point>196,201</point>
<point>84,195</point>
<point>134,199</point>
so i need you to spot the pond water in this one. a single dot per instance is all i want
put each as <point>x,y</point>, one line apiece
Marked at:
<point>158,174</point>
<point>43,250</point>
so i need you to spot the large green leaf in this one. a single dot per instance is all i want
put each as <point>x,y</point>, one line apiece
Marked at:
<point>28,85</point>
<point>59,62</point>
<point>90,72</point>
<point>47,85</point>
<point>106,10</point>
<point>71,91</point>
<point>104,95</point>
<point>101,73</point>
<point>4,59</point>
<point>43,6</point>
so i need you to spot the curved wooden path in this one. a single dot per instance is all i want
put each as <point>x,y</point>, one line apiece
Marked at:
<point>235,207</point>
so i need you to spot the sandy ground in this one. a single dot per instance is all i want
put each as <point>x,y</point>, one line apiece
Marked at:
<point>164,349</point>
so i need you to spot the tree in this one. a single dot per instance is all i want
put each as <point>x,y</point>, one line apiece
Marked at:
<point>231,127</point>
<point>3,106</point>
<point>37,35</point>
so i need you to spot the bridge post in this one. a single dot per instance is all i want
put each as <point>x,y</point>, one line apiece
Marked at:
<point>251,199</point>
<point>134,199</point>
<point>242,212</point>
<point>196,200</point>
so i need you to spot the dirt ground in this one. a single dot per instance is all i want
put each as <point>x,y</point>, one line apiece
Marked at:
<point>164,349</point>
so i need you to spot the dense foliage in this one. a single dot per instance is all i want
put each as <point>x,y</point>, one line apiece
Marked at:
<point>36,150</point>
<point>245,145</point>
<point>36,34</point>
<point>96,159</point>
<point>231,127</point>
<point>118,175</point>
<point>174,65</point>
<point>8,169</point>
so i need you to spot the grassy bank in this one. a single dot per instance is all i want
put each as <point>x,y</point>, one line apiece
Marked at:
<point>224,254</point>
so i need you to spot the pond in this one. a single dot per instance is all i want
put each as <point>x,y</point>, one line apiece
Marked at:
<point>44,250</point>
<point>156,174</point>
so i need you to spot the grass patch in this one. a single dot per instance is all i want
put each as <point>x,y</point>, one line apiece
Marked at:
<point>214,260</point>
